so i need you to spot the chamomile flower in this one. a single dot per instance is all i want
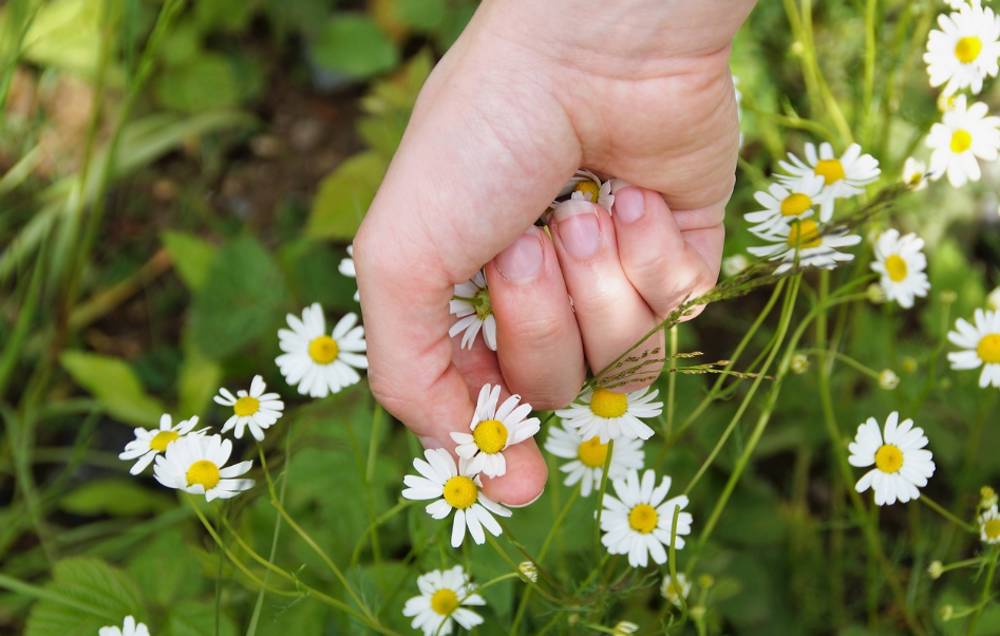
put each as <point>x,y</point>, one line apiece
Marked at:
<point>807,242</point>
<point>148,444</point>
<point>129,628</point>
<point>454,489</point>
<point>471,303</point>
<point>494,429</point>
<point>624,628</point>
<point>993,300</point>
<point>255,409</point>
<point>197,464</point>
<point>443,600</point>
<point>965,49</point>
<point>318,363</point>
<point>901,263</point>
<point>980,342</point>
<point>346,268</point>
<point>677,590</point>
<point>901,463</point>
<point>786,203</point>
<point>915,174</point>
<point>587,457</point>
<point>638,522</point>
<point>587,186</point>
<point>844,176</point>
<point>733,265</point>
<point>608,414</point>
<point>989,525</point>
<point>965,135</point>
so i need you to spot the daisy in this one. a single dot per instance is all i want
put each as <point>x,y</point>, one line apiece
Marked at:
<point>733,265</point>
<point>808,243</point>
<point>845,176</point>
<point>783,204</point>
<point>255,410</point>
<point>588,455</point>
<point>346,268</point>
<point>638,522</point>
<point>148,444</point>
<point>493,431</point>
<point>965,49</point>
<point>989,525</point>
<point>993,300</point>
<point>318,363</point>
<point>915,174</point>
<point>128,628</point>
<point>624,628</point>
<point>675,591</point>
<point>608,414</point>
<point>444,595</point>
<point>197,464</point>
<point>587,186</point>
<point>456,489</point>
<point>981,345</point>
<point>964,135</point>
<point>902,464</point>
<point>471,303</point>
<point>901,263</point>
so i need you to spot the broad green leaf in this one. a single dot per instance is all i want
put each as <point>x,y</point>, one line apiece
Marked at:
<point>422,15</point>
<point>165,571</point>
<point>193,618</point>
<point>65,34</point>
<point>199,378</point>
<point>86,594</point>
<point>115,386</point>
<point>344,197</point>
<point>311,267</point>
<point>352,44</point>
<point>206,82</point>
<point>192,257</point>
<point>115,496</point>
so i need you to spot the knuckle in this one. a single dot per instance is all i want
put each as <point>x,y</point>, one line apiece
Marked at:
<point>538,329</point>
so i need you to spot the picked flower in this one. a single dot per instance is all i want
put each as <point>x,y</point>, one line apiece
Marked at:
<point>607,414</point>
<point>454,489</point>
<point>197,464</point>
<point>494,430</point>
<point>980,342</point>
<point>901,263</point>
<point>965,135</point>
<point>964,51</point>
<point>901,463</point>
<point>444,599</point>
<point>346,268</point>
<point>471,303</point>
<point>129,628</point>
<point>675,590</point>
<point>845,176</point>
<point>639,523</point>
<point>989,525</point>
<point>255,409</point>
<point>148,444</point>
<point>588,455</point>
<point>587,186</point>
<point>785,203</point>
<point>808,243</point>
<point>316,363</point>
<point>915,174</point>
<point>624,628</point>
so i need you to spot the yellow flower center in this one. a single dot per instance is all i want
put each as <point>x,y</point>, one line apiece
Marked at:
<point>889,458</point>
<point>608,404</point>
<point>988,348</point>
<point>247,405</point>
<point>961,141</point>
<point>967,49</point>
<point>460,492</point>
<point>992,529</point>
<point>323,349</point>
<point>162,439</point>
<point>590,190</point>
<point>831,170</point>
<point>795,204</point>
<point>643,518</point>
<point>203,472</point>
<point>804,234</point>
<point>896,268</point>
<point>490,436</point>
<point>481,304</point>
<point>593,453</point>
<point>444,602</point>
<point>674,592</point>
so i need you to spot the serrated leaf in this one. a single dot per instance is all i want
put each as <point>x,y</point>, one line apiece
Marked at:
<point>165,573</point>
<point>115,496</point>
<point>193,618</point>
<point>344,197</point>
<point>115,386</point>
<point>352,44</point>
<point>192,257</point>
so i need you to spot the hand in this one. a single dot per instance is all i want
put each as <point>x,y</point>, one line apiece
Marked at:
<point>637,89</point>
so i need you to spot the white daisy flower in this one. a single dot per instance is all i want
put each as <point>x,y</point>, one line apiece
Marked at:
<point>808,242</point>
<point>608,414</point>
<point>454,488</point>
<point>993,300</point>
<point>901,263</point>
<point>255,410</point>
<point>981,346</point>
<point>733,265</point>
<point>964,135</point>
<point>915,174</point>
<point>494,430</point>
<point>129,628</point>
<point>148,444</point>
<point>471,303</point>
<point>346,268</point>
<point>318,363</point>
<point>965,49</point>
<point>989,525</point>
<point>197,464</point>
<point>444,595</point>
<point>638,522</point>
<point>675,591</point>
<point>587,457</point>
<point>785,203</point>
<point>624,628</point>
<point>587,186</point>
<point>901,463</point>
<point>845,176</point>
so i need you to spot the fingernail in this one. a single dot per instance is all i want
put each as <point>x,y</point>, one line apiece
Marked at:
<point>528,503</point>
<point>578,227</point>
<point>630,205</point>
<point>521,262</point>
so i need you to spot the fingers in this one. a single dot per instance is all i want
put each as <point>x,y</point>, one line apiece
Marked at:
<point>540,351</point>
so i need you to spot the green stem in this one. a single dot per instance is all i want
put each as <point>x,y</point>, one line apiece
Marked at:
<point>984,596</point>
<point>947,514</point>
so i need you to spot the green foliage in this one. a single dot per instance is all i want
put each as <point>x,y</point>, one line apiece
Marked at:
<point>117,497</point>
<point>344,196</point>
<point>353,44</point>
<point>207,81</point>
<point>115,386</point>
<point>192,257</point>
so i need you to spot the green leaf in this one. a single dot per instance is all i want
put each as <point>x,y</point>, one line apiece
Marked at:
<point>352,44</point>
<point>165,571</point>
<point>115,496</point>
<point>240,301</point>
<point>206,82</point>
<point>192,618</point>
<point>422,15</point>
<point>85,595</point>
<point>199,378</point>
<point>65,34</point>
<point>344,196</point>
<point>192,257</point>
<point>115,386</point>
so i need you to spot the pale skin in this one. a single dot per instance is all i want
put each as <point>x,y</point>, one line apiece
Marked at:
<point>531,91</point>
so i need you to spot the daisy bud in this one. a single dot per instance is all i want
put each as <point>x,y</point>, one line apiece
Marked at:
<point>935,569</point>
<point>528,571</point>
<point>706,581</point>
<point>733,265</point>
<point>909,364</point>
<point>987,497</point>
<point>888,380</point>
<point>993,300</point>
<point>947,612</point>
<point>624,628</point>
<point>697,612</point>
<point>875,294</point>
<point>948,296</point>
<point>915,174</point>
<point>800,363</point>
